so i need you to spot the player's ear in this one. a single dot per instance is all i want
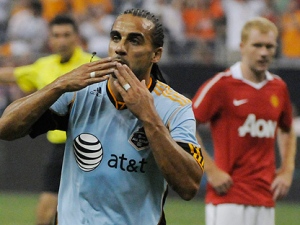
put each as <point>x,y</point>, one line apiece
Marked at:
<point>156,55</point>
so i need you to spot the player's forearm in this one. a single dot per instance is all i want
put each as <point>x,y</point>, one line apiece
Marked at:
<point>180,169</point>
<point>19,116</point>
<point>287,148</point>
<point>209,163</point>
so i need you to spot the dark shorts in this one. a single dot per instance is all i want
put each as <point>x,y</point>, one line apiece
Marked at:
<point>52,171</point>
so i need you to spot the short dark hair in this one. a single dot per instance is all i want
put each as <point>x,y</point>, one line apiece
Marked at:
<point>36,6</point>
<point>63,19</point>
<point>157,34</point>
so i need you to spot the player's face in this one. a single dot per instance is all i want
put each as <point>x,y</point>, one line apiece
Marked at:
<point>130,42</point>
<point>63,40</point>
<point>259,50</point>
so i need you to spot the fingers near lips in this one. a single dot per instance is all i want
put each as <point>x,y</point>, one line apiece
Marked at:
<point>120,73</point>
<point>103,66</point>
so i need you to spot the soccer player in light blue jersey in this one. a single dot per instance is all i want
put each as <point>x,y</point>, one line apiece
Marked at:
<point>129,135</point>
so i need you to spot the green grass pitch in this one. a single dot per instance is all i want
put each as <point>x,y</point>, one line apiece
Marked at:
<point>19,209</point>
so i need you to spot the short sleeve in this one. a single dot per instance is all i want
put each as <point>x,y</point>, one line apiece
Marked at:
<point>208,100</point>
<point>182,125</point>
<point>62,105</point>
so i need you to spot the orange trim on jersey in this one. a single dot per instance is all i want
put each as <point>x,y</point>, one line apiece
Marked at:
<point>150,83</point>
<point>175,96</point>
<point>160,87</point>
<point>118,104</point>
<point>197,154</point>
<point>166,91</point>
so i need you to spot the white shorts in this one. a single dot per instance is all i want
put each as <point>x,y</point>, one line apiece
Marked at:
<point>235,214</point>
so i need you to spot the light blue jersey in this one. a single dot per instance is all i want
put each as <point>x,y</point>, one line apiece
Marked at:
<point>109,174</point>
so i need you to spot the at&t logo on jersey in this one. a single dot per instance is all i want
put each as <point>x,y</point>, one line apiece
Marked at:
<point>258,127</point>
<point>88,151</point>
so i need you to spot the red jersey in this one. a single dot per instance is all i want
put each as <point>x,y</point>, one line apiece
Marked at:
<point>244,117</point>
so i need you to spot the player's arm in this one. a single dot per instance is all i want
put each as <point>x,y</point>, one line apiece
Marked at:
<point>284,175</point>
<point>220,180</point>
<point>19,117</point>
<point>180,169</point>
<point>7,75</point>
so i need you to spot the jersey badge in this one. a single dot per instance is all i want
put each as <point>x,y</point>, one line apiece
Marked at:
<point>139,140</point>
<point>274,101</point>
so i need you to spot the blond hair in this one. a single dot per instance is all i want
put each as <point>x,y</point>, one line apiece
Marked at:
<point>260,23</point>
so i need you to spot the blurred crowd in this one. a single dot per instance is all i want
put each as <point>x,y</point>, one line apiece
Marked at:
<point>206,31</point>
<point>202,31</point>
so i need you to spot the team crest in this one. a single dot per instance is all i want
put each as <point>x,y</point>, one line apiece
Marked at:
<point>139,140</point>
<point>274,101</point>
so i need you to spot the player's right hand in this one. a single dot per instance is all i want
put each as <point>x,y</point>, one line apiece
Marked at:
<point>86,74</point>
<point>219,180</point>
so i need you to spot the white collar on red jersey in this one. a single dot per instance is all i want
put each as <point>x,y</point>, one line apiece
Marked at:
<point>237,74</point>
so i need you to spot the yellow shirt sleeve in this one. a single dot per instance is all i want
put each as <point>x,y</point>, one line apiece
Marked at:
<point>26,77</point>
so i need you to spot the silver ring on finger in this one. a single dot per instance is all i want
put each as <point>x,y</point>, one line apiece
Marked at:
<point>92,74</point>
<point>126,87</point>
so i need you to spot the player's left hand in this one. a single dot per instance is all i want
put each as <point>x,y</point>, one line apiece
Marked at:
<point>281,184</point>
<point>137,97</point>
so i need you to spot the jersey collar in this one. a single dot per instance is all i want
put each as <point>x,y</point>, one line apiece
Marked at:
<point>236,72</point>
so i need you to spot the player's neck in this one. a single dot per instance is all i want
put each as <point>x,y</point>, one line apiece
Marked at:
<point>66,58</point>
<point>253,75</point>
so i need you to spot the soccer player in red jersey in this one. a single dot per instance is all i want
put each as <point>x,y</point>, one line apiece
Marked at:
<point>247,108</point>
